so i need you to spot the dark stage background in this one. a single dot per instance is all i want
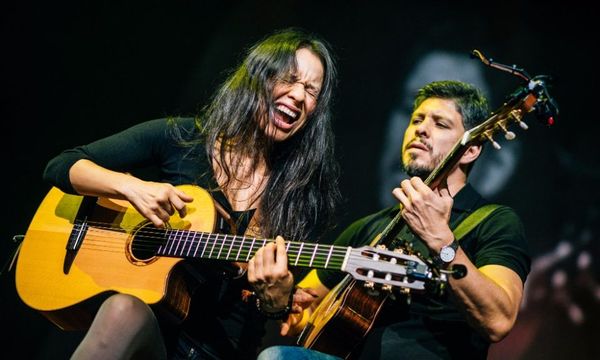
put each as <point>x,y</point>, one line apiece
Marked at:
<point>73,73</point>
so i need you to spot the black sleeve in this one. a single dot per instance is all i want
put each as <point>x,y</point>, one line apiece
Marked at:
<point>139,146</point>
<point>502,241</point>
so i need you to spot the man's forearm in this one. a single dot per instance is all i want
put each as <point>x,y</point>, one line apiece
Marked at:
<point>489,297</point>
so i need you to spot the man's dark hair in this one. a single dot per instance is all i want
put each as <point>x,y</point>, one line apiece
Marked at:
<point>302,190</point>
<point>470,101</point>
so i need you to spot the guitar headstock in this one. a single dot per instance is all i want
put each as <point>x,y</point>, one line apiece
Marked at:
<point>377,265</point>
<point>533,96</point>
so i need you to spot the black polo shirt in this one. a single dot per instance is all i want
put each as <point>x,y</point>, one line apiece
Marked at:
<point>431,326</point>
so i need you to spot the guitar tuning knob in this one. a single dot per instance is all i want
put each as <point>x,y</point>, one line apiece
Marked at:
<point>369,285</point>
<point>407,296</point>
<point>523,125</point>
<point>494,143</point>
<point>387,287</point>
<point>517,115</point>
<point>508,135</point>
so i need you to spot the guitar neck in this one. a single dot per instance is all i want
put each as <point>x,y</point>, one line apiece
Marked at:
<point>202,245</point>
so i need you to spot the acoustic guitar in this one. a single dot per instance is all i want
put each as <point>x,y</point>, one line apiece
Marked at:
<point>79,249</point>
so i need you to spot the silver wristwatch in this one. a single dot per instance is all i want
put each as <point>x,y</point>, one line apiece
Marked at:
<point>447,254</point>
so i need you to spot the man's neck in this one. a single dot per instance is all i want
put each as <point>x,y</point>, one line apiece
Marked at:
<point>456,181</point>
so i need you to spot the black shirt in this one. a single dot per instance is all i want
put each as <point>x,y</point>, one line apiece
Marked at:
<point>168,150</point>
<point>431,326</point>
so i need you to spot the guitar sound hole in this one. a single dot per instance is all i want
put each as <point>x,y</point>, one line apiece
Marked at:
<point>146,242</point>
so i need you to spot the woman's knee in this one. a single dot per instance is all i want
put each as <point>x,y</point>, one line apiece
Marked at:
<point>126,309</point>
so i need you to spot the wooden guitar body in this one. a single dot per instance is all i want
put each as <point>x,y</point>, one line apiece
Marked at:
<point>343,318</point>
<point>64,284</point>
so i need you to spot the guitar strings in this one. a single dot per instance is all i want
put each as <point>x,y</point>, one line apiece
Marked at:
<point>153,237</point>
<point>336,255</point>
<point>161,234</point>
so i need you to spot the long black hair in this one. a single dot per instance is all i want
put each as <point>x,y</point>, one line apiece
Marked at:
<point>300,196</point>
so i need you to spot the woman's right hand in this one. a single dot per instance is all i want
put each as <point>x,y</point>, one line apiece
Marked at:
<point>156,201</point>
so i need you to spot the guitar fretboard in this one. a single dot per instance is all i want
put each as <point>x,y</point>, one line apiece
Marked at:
<point>201,245</point>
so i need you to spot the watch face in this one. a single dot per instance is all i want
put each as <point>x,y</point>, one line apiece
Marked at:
<point>447,254</point>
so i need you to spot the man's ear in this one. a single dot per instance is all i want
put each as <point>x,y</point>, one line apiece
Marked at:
<point>470,155</point>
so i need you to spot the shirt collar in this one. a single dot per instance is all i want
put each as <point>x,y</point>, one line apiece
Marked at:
<point>467,199</point>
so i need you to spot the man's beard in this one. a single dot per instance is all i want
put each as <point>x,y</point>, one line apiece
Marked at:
<point>418,171</point>
<point>422,171</point>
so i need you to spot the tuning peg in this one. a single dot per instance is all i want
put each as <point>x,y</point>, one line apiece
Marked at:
<point>369,285</point>
<point>522,124</point>
<point>387,287</point>
<point>388,277</point>
<point>494,143</point>
<point>406,293</point>
<point>508,135</point>
<point>517,115</point>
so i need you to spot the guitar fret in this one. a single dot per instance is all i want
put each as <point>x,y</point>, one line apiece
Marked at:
<point>328,256</point>
<point>181,243</point>
<point>213,246</point>
<point>240,248</point>
<point>313,255</point>
<point>205,244</point>
<point>172,242</point>
<point>189,243</point>
<point>230,247</point>
<point>197,242</point>
<point>221,247</point>
<point>177,232</point>
<point>299,252</point>
<point>184,242</point>
<point>250,251</point>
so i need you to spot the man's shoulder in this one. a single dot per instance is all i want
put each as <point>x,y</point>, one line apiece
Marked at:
<point>368,226</point>
<point>386,214</point>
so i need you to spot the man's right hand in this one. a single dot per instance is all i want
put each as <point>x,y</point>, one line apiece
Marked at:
<point>303,299</point>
